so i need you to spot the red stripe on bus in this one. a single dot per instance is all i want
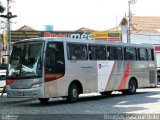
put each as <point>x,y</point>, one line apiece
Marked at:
<point>52,76</point>
<point>125,77</point>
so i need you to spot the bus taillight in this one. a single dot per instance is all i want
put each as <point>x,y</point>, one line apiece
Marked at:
<point>9,82</point>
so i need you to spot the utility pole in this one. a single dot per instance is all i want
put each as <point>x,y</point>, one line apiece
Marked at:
<point>129,20</point>
<point>9,16</point>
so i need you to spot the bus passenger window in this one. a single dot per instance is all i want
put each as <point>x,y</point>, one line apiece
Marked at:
<point>112,52</point>
<point>150,54</point>
<point>97,52</point>
<point>130,53</point>
<point>77,52</point>
<point>142,54</point>
<point>120,53</point>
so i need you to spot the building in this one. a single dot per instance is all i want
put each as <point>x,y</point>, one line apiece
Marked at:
<point>26,28</point>
<point>143,29</point>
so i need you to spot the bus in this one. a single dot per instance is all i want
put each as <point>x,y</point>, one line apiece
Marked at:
<point>157,51</point>
<point>43,68</point>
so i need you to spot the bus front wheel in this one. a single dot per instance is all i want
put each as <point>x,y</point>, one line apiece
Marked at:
<point>131,88</point>
<point>73,93</point>
<point>43,100</point>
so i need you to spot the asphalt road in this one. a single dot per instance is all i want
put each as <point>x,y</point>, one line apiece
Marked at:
<point>90,106</point>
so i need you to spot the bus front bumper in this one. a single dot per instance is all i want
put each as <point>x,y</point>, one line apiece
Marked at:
<point>34,92</point>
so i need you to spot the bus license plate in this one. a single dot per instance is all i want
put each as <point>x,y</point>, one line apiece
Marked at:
<point>20,94</point>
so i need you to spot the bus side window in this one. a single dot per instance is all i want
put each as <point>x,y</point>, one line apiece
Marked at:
<point>113,53</point>
<point>97,52</point>
<point>142,54</point>
<point>92,53</point>
<point>130,53</point>
<point>138,54</point>
<point>108,53</point>
<point>77,52</point>
<point>120,53</point>
<point>150,54</point>
<point>103,52</point>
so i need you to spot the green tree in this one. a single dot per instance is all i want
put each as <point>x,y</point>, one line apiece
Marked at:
<point>2,8</point>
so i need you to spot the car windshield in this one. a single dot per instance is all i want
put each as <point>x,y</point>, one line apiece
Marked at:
<point>25,60</point>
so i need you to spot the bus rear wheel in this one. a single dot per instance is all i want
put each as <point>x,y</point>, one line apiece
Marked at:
<point>131,88</point>
<point>43,100</point>
<point>73,93</point>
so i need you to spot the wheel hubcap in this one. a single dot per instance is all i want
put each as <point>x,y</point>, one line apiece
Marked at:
<point>75,93</point>
<point>132,87</point>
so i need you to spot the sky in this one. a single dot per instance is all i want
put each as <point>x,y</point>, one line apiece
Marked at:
<point>74,14</point>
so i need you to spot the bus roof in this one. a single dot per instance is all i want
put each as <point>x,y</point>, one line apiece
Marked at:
<point>74,40</point>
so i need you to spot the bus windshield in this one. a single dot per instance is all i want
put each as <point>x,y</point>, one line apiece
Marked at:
<point>25,60</point>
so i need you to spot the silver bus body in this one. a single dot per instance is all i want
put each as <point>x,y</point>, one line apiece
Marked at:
<point>88,75</point>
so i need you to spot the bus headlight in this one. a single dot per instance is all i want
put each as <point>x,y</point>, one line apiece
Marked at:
<point>36,85</point>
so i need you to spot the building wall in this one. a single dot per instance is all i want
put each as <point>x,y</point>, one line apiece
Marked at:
<point>151,38</point>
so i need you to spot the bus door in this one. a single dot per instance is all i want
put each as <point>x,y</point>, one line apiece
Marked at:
<point>54,66</point>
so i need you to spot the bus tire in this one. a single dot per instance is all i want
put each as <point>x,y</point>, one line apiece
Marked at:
<point>43,100</point>
<point>132,87</point>
<point>107,93</point>
<point>73,93</point>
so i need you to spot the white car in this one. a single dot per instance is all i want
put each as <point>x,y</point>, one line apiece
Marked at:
<point>2,79</point>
